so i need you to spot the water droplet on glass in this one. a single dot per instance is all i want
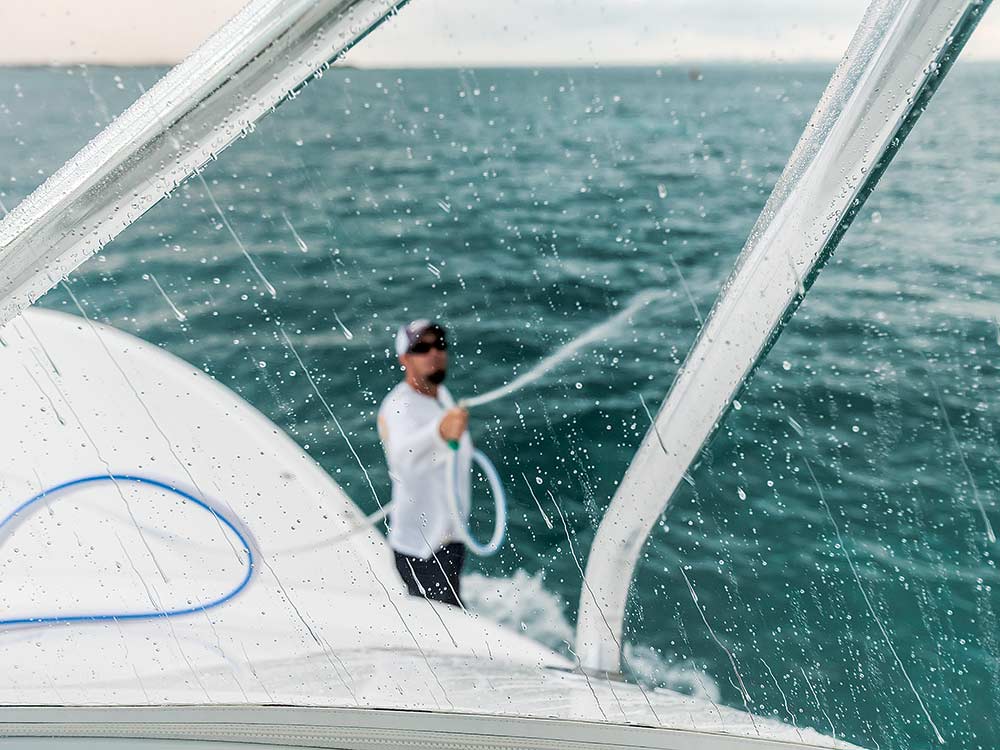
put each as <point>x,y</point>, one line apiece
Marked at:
<point>347,333</point>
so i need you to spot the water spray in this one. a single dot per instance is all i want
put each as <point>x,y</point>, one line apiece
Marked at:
<point>597,333</point>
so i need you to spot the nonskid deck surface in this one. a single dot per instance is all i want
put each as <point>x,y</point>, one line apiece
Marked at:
<point>196,503</point>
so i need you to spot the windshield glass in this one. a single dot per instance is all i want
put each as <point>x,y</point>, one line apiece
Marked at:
<point>837,528</point>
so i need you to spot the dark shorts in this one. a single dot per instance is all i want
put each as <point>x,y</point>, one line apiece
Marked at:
<point>436,577</point>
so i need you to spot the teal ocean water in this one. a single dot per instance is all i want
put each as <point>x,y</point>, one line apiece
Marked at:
<point>835,529</point>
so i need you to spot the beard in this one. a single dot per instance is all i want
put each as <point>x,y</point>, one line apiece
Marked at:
<point>437,377</point>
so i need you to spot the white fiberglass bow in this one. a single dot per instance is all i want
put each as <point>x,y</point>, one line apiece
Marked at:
<point>897,59</point>
<point>256,61</point>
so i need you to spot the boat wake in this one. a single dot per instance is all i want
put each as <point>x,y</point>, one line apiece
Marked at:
<point>522,603</point>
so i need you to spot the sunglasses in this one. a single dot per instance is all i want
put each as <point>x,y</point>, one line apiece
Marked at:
<point>422,347</point>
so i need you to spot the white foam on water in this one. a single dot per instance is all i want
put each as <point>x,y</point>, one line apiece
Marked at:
<point>520,602</point>
<point>683,676</point>
<point>523,603</point>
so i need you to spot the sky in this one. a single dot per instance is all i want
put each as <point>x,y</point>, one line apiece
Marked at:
<point>469,32</point>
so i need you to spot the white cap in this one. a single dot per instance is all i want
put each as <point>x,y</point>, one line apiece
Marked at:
<point>409,334</point>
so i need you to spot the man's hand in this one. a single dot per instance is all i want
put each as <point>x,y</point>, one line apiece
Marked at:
<point>453,423</point>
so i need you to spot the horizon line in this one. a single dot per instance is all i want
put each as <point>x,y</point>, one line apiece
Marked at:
<point>577,64</point>
<point>685,64</point>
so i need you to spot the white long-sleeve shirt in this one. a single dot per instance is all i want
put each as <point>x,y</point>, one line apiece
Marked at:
<point>421,520</point>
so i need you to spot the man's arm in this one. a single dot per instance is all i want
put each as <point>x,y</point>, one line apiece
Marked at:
<point>413,448</point>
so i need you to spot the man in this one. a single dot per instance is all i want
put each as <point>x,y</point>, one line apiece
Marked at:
<point>419,426</point>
